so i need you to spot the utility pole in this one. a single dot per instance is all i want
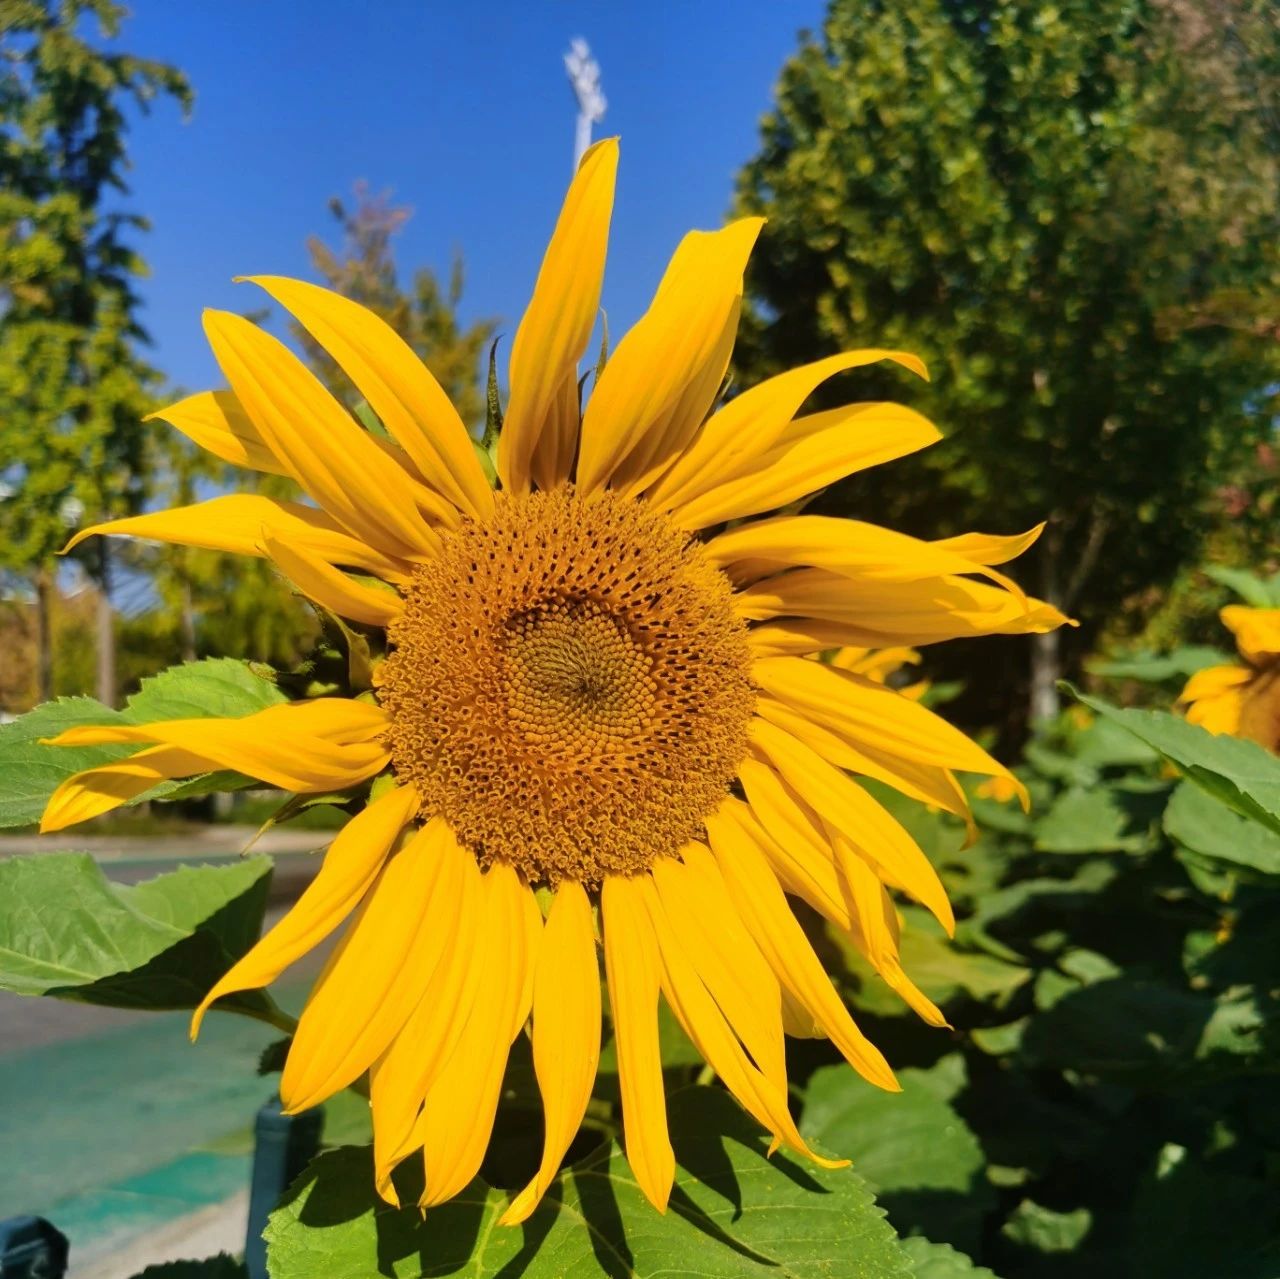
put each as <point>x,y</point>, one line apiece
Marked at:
<point>584,76</point>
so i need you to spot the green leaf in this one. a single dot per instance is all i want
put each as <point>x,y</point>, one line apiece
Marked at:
<point>32,772</point>
<point>1199,822</point>
<point>1192,1219</point>
<point>941,1261</point>
<point>220,1267</point>
<point>1034,1226</point>
<point>1155,668</point>
<point>1249,587</point>
<point>919,1157</point>
<point>733,1214</point>
<point>1086,821</point>
<point>1239,773</point>
<point>66,931</point>
<point>217,687</point>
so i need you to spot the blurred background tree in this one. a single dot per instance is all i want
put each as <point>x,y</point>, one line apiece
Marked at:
<point>75,387</point>
<point>425,313</point>
<point>1055,205</point>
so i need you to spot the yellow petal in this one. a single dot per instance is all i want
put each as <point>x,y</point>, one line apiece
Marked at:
<point>401,1078</point>
<point>660,382</point>
<point>1257,631</point>
<point>870,715</point>
<point>740,436</point>
<point>350,866</point>
<point>796,638</point>
<point>1213,680</point>
<point>540,431</point>
<point>760,901</point>
<point>880,614</point>
<point>877,925</point>
<point>725,958</point>
<point>633,969</point>
<point>215,421</point>
<point>838,744</point>
<point>460,1107</point>
<point>320,444</point>
<point>236,524</point>
<point>991,548</point>
<point>705,1024</point>
<point>328,743</point>
<point>400,390</point>
<point>376,975</point>
<point>811,452</point>
<point>791,840</point>
<point>853,812</point>
<point>875,663</point>
<point>330,587</point>
<point>1219,712</point>
<point>98,790</point>
<point>566,1034</point>
<point>848,548</point>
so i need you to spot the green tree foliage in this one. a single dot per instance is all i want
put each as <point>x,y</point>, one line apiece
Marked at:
<point>425,313</point>
<point>1055,204</point>
<point>75,387</point>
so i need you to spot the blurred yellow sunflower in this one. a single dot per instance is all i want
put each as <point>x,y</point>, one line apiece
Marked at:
<point>598,719</point>
<point>1242,700</point>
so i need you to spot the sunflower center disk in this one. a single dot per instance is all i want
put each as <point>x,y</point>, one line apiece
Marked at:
<point>569,685</point>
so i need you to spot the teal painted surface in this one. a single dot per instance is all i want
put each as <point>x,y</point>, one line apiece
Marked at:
<point>100,1221</point>
<point>91,1115</point>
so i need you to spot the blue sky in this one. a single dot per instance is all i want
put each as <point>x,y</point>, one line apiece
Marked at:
<point>463,110</point>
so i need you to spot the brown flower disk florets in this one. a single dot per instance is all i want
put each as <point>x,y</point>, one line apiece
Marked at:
<point>569,686</point>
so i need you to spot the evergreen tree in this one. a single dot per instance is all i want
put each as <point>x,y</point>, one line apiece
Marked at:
<point>74,384</point>
<point>1055,205</point>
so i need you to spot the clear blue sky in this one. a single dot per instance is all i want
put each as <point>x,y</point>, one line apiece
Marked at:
<point>462,109</point>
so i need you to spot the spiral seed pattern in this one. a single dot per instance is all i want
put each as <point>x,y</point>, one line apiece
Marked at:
<point>569,685</point>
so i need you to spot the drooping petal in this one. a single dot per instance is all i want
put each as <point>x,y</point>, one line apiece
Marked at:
<point>236,524</point>
<point>811,452</point>
<point>634,973</point>
<point>862,711</point>
<point>803,863</point>
<point>880,614</point>
<point>215,421</point>
<point>726,959</point>
<point>742,434</point>
<point>319,745</point>
<point>376,976</point>
<point>760,901</point>
<point>458,1115</point>
<point>566,1034</point>
<point>98,790</point>
<point>705,1024</point>
<point>644,410</point>
<point>848,548</point>
<point>540,432</point>
<point>350,866</point>
<point>330,587</point>
<point>878,929</point>
<point>398,386</point>
<point>401,1078</point>
<point>991,548</point>
<point>856,815</point>
<point>320,445</point>
<point>839,744</point>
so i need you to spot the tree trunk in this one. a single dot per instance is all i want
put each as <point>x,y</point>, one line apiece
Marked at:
<point>1046,651</point>
<point>187,618</point>
<point>106,630</point>
<point>44,633</point>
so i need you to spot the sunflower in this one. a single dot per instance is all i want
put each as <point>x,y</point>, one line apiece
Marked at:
<point>1242,699</point>
<point>599,723</point>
